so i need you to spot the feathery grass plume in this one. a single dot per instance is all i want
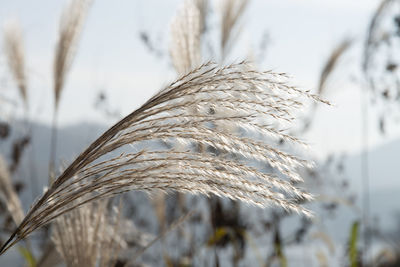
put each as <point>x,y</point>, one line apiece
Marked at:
<point>71,23</point>
<point>14,50</point>
<point>259,103</point>
<point>89,235</point>
<point>186,30</point>
<point>9,195</point>
<point>232,10</point>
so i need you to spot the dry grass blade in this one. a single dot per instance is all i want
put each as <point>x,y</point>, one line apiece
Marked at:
<point>70,28</point>
<point>9,195</point>
<point>88,235</point>
<point>186,30</point>
<point>328,69</point>
<point>332,62</point>
<point>234,110</point>
<point>232,10</point>
<point>14,50</point>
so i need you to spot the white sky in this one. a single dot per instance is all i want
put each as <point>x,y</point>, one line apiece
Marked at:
<point>111,57</point>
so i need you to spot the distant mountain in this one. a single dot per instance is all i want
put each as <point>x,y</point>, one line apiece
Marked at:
<point>384,167</point>
<point>384,180</point>
<point>34,166</point>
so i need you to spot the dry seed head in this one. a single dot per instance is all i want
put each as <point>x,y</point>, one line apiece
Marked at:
<point>260,104</point>
<point>88,235</point>
<point>71,23</point>
<point>231,12</point>
<point>186,30</point>
<point>14,50</point>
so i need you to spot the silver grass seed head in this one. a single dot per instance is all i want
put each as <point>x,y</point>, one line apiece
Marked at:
<point>89,235</point>
<point>14,50</point>
<point>240,165</point>
<point>70,28</point>
<point>185,36</point>
<point>231,12</point>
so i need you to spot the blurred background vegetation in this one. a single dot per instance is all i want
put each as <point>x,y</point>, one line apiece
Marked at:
<point>348,52</point>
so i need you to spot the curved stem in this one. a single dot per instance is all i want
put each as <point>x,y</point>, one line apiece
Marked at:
<point>365,173</point>
<point>53,147</point>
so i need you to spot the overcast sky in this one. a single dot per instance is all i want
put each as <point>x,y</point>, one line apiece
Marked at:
<point>112,58</point>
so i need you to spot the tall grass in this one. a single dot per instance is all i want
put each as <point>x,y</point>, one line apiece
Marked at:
<point>228,100</point>
<point>88,236</point>
<point>231,12</point>
<point>185,43</point>
<point>71,24</point>
<point>14,50</point>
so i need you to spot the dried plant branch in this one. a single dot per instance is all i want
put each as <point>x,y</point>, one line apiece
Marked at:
<point>186,30</point>
<point>14,50</point>
<point>175,224</point>
<point>374,35</point>
<point>212,106</point>
<point>9,195</point>
<point>232,10</point>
